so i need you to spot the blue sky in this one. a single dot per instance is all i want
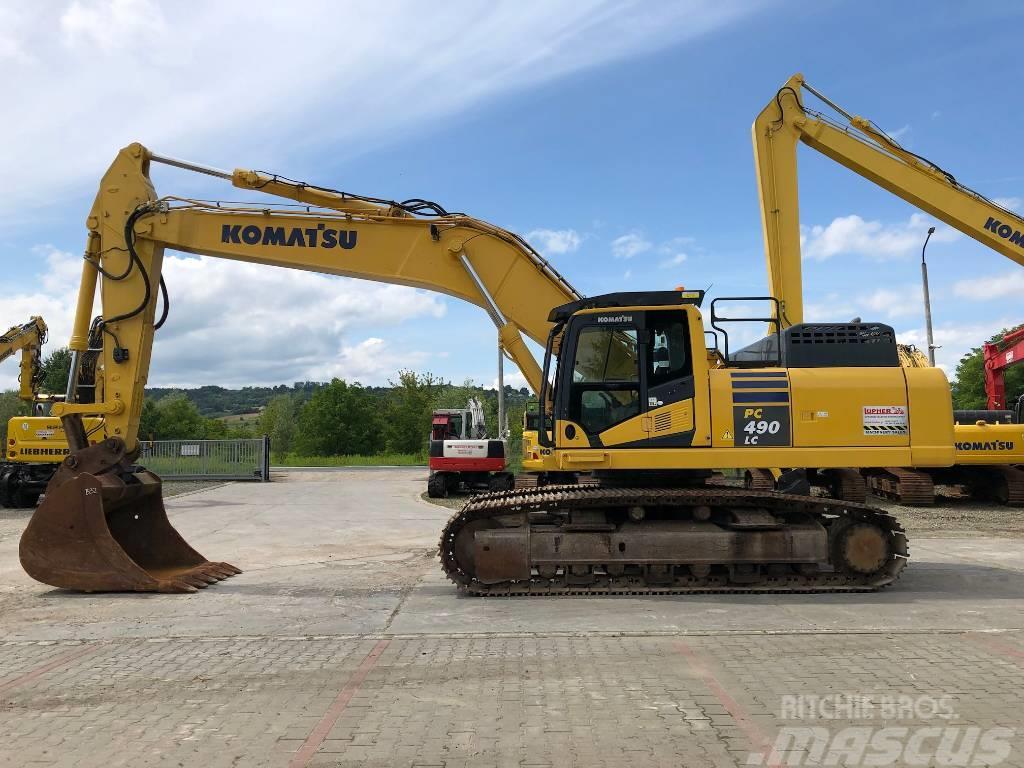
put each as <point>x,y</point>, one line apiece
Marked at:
<point>623,128</point>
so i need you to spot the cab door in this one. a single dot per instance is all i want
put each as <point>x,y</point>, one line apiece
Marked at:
<point>630,383</point>
<point>600,388</point>
<point>668,365</point>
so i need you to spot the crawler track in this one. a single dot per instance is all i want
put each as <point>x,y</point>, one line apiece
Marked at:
<point>555,505</point>
<point>1014,486</point>
<point>906,486</point>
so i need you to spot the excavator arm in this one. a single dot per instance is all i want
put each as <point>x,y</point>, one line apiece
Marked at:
<point>416,244</point>
<point>861,146</point>
<point>103,525</point>
<point>27,339</point>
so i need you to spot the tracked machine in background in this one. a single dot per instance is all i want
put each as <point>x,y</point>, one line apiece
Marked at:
<point>987,453</point>
<point>25,469</point>
<point>461,454</point>
<point>35,445</point>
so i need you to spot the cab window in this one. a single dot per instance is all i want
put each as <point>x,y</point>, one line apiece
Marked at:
<point>669,348</point>
<point>606,354</point>
<point>606,378</point>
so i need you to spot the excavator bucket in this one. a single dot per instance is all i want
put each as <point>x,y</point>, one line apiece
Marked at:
<point>109,532</point>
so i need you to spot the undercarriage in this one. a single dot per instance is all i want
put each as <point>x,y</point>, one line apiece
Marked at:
<point>579,540</point>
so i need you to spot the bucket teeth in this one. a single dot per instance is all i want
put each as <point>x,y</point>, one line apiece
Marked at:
<point>174,586</point>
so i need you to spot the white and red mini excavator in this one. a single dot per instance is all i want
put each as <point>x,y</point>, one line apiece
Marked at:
<point>461,454</point>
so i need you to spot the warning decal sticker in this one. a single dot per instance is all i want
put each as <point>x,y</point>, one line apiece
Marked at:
<point>885,420</point>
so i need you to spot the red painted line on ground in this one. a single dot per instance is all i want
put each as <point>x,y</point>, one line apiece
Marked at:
<point>323,728</point>
<point>1004,649</point>
<point>758,739</point>
<point>57,661</point>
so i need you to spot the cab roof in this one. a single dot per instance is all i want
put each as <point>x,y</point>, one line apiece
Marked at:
<point>626,299</point>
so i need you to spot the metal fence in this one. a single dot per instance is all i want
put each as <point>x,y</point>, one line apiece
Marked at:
<point>208,459</point>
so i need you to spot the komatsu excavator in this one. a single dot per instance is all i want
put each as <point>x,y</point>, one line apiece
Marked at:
<point>986,453</point>
<point>628,393</point>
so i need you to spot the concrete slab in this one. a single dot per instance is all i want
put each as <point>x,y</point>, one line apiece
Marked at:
<point>353,552</point>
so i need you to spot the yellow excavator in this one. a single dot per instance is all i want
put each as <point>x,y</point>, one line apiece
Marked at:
<point>28,339</point>
<point>35,444</point>
<point>986,452</point>
<point>628,391</point>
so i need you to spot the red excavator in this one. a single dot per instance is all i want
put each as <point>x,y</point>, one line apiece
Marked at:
<point>999,356</point>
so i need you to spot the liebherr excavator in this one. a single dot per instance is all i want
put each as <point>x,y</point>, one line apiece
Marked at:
<point>986,453</point>
<point>628,392</point>
<point>35,444</point>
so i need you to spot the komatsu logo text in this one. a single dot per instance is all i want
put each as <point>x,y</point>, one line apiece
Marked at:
<point>1005,231</point>
<point>296,237</point>
<point>987,445</point>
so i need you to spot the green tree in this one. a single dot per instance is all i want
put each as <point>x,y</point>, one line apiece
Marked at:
<point>149,420</point>
<point>340,419</point>
<point>10,406</point>
<point>409,405</point>
<point>969,385</point>
<point>215,429</point>
<point>280,420</point>
<point>53,371</point>
<point>179,419</point>
<point>240,431</point>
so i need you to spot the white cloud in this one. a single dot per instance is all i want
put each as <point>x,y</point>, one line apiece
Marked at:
<point>513,378</point>
<point>1009,203</point>
<point>236,324</point>
<point>243,83</point>
<point>554,241</point>
<point>954,340</point>
<point>628,246</point>
<point>852,235</point>
<point>112,24</point>
<point>628,274</point>
<point>673,261</point>
<point>899,132</point>
<point>834,309</point>
<point>992,287</point>
<point>672,249</point>
<point>892,303</point>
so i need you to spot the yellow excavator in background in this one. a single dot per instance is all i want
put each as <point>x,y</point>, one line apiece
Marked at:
<point>986,452</point>
<point>628,393</point>
<point>27,338</point>
<point>35,444</point>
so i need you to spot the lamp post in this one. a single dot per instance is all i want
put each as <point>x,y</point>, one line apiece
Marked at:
<point>927,300</point>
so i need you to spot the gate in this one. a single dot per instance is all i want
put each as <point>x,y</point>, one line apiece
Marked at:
<point>208,459</point>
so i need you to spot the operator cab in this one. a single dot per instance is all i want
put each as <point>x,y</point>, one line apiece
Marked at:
<point>622,356</point>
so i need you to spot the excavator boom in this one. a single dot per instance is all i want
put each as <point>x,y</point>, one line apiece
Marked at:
<point>858,144</point>
<point>27,338</point>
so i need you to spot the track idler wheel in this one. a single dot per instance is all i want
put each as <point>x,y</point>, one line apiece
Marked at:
<point>109,532</point>
<point>861,547</point>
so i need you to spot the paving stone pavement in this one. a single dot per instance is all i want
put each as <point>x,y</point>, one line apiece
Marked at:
<point>340,645</point>
<point>572,700</point>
